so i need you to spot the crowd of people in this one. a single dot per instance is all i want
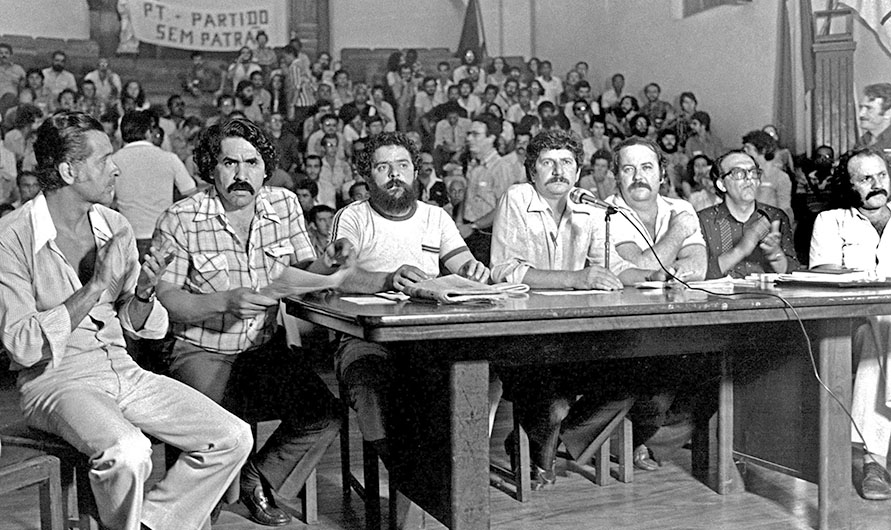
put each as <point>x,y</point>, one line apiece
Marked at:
<point>125,224</point>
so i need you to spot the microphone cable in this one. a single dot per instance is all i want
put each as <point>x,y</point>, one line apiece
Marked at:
<point>786,304</point>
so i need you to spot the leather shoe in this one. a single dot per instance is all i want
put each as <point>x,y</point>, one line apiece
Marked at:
<point>541,478</point>
<point>262,508</point>
<point>874,486</point>
<point>644,459</point>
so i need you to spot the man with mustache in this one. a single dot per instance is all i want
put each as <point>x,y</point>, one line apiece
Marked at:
<point>56,78</point>
<point>397,240</point>
<point>230,242</point>
<point>875,117</point>
<point>652,231</point>
<point>744,236</point>
<point>542,239</point>
<point>852,236</point>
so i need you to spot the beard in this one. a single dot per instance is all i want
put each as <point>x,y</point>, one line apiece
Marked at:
<point>246,100</point>
<point>58,68</point>
<point>384,198</point>
<point>666,150</point>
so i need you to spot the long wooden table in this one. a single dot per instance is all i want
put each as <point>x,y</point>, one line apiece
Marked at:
<point>757,335</point>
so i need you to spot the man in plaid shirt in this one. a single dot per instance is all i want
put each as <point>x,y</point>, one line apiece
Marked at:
<point>228,243</point>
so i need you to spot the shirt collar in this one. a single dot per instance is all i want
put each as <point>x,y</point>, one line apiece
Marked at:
<point>538,204</point>
<point>138,143</point>
<point>45,229</point>
<point>210,206</point>
<point>490,159</point>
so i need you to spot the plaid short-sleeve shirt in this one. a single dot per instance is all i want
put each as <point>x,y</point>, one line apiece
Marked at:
<point>208,257</point>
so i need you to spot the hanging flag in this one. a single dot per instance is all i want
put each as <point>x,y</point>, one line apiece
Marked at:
<point>472,35</point>
<point>806,17</point>
<point>877,15</point>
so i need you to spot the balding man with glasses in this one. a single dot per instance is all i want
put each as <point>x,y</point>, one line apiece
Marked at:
<point>742,235</point>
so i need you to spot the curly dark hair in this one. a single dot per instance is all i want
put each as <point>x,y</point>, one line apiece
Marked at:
<point>843,193</point>
<point>548,140</point>
<point>207,151</point>
<point>62,138</point>
<point>384,139</point>
<point>762,142</point>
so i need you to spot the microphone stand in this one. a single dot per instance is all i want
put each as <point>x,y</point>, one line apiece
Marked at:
<point>610,210</point>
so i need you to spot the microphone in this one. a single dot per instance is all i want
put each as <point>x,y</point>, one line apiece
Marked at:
<point>583,196</point>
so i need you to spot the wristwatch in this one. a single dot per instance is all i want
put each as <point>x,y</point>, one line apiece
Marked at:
<point>150,299</point>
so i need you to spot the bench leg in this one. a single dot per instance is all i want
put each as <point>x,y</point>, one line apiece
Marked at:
<point>51,498</point>
<point>309,499</point>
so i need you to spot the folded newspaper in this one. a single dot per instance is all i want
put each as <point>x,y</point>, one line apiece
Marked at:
<point>454,289</point>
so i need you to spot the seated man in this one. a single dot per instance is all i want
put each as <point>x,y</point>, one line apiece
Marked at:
<point>652,232</point>
<point>742,235</point>
<point>533,222</point>
<point>228,243</point>
<point>70,287</point>
<point>853,236</point>
<point>397,240</point>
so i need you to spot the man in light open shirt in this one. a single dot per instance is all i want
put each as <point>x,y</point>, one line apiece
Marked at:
<point>70,287</point>
<point>652,231</point>
<point>544,240</point>
<point>853,236</point>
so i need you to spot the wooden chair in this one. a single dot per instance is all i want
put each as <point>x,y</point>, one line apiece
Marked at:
<point>73,469</point>
<point>43,470</point>
<point>593,445</point>
<point>370,491</point>
<point>515,481</point>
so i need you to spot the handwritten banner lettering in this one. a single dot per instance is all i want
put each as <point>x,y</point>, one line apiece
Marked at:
<point>220,25</point>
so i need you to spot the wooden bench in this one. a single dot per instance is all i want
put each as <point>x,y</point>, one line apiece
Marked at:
<point>44,471</point>
<point>73,469</point>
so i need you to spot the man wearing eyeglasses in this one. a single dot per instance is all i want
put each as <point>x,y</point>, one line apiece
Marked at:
<point>853,236</point>
<point>744,236</point>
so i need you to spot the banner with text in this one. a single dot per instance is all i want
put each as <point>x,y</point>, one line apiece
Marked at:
<point>217,25</point>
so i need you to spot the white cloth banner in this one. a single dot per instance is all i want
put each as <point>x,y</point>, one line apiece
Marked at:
<point>209,25</point>
<point>877,15</point>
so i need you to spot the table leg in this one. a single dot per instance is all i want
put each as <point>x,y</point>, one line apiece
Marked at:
<point>729,480</point>
<point>833,348</point>
<point>469,411</point>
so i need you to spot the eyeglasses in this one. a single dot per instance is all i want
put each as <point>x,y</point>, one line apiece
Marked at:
<point>871,179</point>
<point>741,173</point>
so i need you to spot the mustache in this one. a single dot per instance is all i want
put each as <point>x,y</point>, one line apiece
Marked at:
<point>395,184</point>
<point>640,184</point>
<point>241,186</point>
<point>875,193</point>
<point>555,180</point>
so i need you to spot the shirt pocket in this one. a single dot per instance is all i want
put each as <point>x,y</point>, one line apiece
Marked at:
<point>277,258</point>
<point>210,272</point>
<point>858,256</point>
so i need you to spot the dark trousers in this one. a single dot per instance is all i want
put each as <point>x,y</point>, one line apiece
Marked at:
<point>266,383</point>
<point>565,397</point>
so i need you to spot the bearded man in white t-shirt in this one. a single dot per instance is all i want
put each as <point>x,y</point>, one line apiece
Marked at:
<point>396,240</point>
